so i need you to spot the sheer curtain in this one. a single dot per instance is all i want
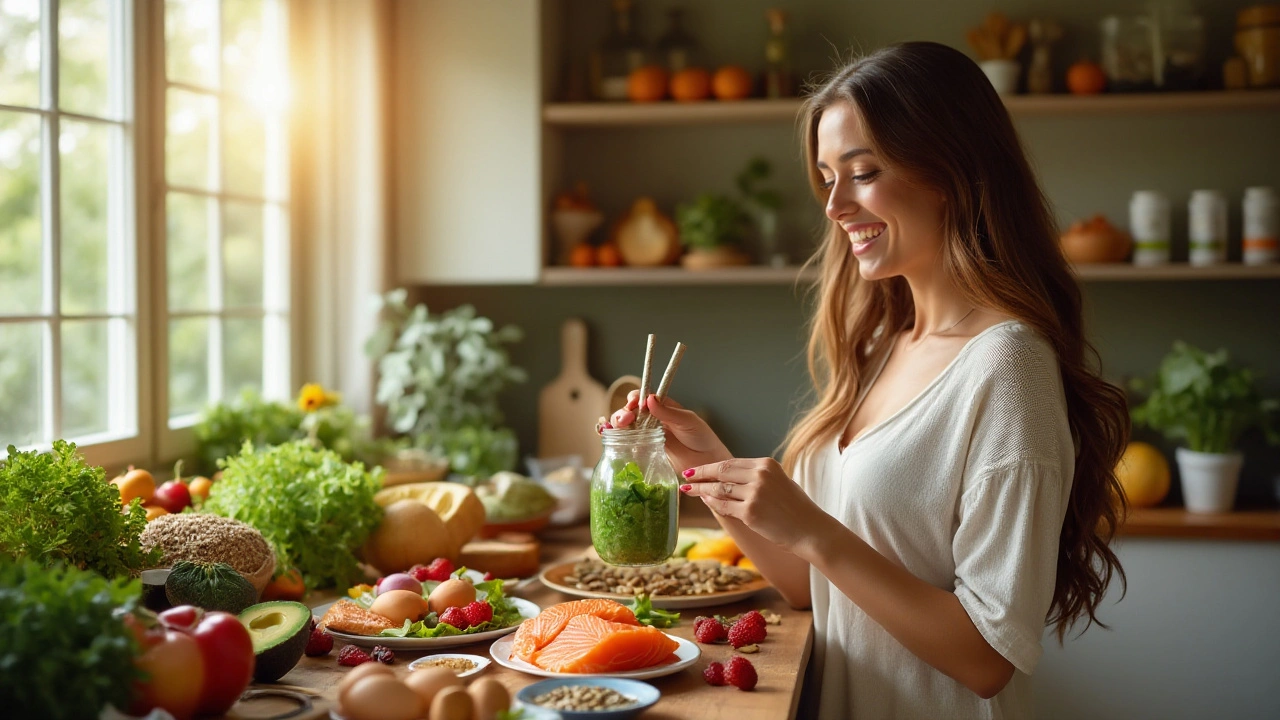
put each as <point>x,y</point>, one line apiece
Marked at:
<point>341,71</point>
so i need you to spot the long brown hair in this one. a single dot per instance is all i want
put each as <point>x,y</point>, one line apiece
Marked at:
<point>932,114</point>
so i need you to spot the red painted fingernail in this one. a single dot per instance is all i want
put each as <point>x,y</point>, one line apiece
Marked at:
<point>686,488</point>
<point>607,426</point>
<point>688,473</point>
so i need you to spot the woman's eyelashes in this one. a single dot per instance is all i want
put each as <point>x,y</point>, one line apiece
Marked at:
<point>861,178</point>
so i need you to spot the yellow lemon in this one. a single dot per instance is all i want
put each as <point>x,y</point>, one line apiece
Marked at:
<point>723,549</point>
<point>746,564</point>
<point>1143,474</point>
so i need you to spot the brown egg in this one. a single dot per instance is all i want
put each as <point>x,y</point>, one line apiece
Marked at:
<point>399,605</point>
<point>451,593</point>
<point>354,675</point>
<point>428,682</point>
<point>490,697</point>
<point>452,703</point>
<point>381,697</point>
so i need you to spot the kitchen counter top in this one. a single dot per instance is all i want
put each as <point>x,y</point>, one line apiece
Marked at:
<point>1176,522</point>
<point>780,663</point>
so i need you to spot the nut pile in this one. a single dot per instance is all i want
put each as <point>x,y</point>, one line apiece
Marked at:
<point>202,537</point>
<point>583,697</point>
<point>675,577</point>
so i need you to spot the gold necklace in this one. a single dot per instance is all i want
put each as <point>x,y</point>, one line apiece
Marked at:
<point>956,323</point>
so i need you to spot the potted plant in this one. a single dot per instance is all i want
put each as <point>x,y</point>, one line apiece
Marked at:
<point>1203,402</point>
<point>439,377</point>
<point>711,227</point>
<point>763,205</point>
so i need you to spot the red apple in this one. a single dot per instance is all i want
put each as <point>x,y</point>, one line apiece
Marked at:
<point>226,649</point>
<point>174,671</point>
<point>172,496</point>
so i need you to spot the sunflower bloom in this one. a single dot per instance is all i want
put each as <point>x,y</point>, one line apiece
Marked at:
<point>312,397</point>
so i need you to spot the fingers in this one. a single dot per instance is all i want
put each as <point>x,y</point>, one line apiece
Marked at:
<point>622,418</point>
<point>727,491</point>
<point>723,508</point>
<point>633,400</point>
<point>603,424</point>
<point>732,471</point>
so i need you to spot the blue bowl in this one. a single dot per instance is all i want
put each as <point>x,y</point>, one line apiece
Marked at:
<point>645,696</point>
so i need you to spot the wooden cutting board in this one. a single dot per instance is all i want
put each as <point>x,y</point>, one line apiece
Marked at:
<point>570,405</point>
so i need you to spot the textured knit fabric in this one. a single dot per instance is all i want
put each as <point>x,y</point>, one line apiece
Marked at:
<point>966,487</point>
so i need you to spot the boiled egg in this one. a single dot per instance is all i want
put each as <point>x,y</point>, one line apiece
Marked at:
<point>428,682</point>
<point>381,697</point>
<point>354,675</point>
<point>454,592</point>
<point>400,605</point>
<point>452,703</point>
<point>489,697</point>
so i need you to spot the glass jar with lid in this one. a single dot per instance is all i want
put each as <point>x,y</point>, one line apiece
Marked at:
<point>620,53</point>
<point>635,503</point>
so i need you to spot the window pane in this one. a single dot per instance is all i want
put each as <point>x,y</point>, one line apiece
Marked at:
<point>190,41</point>
<point>243,53</point>
<point>188,365</point>
<point>20,229</point>
<point>20,52</point>
<point>244,149</point>
<point>85,377</point>
<point>20,380</point>
<point>241,355</point>
<point>187,250</point>
<point>242,257</point>
<point>83,149</point>
<point>84,54</point>
<point>188,141</point>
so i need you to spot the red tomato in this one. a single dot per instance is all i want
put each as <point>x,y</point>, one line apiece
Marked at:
<point>174,671</point>
<point>172,496</point>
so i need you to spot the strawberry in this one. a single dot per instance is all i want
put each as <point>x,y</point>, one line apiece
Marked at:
<point>439,570</point>
<point>420,573</point>
<point>708,631</point>
<point>746,632</point>
<point>319,643</point>
<point>754,617</point>
<point>714,674</point>
<point>478,613</point>
<point>351,656</point>
<point>741,673</point>
<point>487,577</point>
<point>456,617</point>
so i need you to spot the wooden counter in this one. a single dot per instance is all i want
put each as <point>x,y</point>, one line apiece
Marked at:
<point>1176,522</point>
<point>780,663</point>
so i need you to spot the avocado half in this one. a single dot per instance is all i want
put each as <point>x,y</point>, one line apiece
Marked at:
<point>280,630</point>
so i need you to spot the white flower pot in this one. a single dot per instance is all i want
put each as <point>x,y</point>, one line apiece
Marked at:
<point>1208,480</point>
<point>1003,75</point>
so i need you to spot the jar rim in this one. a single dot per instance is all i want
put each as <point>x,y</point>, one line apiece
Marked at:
<point>614,436</point>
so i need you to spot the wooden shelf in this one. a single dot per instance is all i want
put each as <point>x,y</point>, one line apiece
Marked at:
<point>619,114</point>
<point>760,275</point>
<point>1176,522</point>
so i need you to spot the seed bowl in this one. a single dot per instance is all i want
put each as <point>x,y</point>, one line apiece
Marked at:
<point>643,694</point>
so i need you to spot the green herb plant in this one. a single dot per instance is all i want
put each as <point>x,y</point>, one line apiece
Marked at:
<point>440,377</point>
<point>647,614</point>
<point>313,508</point>
<point>710,221</point>
<point>224,427</point>
<point>64,650</point>
<point>1202,400</point>
<point>55,508</point>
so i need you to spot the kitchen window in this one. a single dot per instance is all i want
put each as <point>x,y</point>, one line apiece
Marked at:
<point>144,218</point>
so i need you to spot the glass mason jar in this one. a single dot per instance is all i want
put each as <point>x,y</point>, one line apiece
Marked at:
<point>635,504</point>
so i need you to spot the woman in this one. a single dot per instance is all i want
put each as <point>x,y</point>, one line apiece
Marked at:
<point>950,492</point>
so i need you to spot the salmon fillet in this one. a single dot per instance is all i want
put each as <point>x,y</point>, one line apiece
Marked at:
<point>535,633</point>
<point>589,645</point>
<point>349,617</point>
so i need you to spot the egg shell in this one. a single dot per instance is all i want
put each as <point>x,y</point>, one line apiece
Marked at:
<point>454,592</point>
<point>428,682</point>
<point>381,697</point>
<point>400,605</point>
<point>452,703</point>
<point>490,697</point>
<point>354,675</point>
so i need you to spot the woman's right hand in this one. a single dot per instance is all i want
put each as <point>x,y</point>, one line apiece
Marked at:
<point>690,441</point>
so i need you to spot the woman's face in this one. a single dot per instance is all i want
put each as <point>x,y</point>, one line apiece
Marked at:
<point>895,227</point>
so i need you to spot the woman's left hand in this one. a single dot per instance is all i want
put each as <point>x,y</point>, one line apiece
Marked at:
<point>757,492</point>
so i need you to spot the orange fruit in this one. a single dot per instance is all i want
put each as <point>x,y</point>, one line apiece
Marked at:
<point>745,563</point>
<point>135,484</point>
<point>1143,474</point>
<point>199,487</point>
<point>1086,78</point>
<point>731,82</point>
<point>155,511</point>
<point>609,256</point>
<point>691,84</point>
<point>647,84</point>
<point>583,255</point>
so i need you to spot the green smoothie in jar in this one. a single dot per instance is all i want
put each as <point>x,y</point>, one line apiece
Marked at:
<point>635,500</point>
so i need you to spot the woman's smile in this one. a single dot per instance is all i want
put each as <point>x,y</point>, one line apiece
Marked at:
<point>863,235</point>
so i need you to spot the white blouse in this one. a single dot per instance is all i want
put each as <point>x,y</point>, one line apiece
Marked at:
<point>966,487</point>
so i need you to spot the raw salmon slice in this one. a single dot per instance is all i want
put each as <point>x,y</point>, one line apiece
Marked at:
<point>535,633</point>
<point>589,645</point>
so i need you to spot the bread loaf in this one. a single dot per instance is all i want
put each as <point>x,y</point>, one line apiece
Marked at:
<point>503,559</point>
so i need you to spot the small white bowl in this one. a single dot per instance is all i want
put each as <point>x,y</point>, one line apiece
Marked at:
<point>426,660</point>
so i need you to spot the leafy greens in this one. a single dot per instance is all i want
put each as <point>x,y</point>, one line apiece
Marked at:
<point>647,614</point>
<point>505,614</point>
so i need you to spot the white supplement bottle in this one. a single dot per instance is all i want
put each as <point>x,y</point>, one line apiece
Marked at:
<point>1151,227</point>
<point>1207,227</point>
<point>1261,232</point>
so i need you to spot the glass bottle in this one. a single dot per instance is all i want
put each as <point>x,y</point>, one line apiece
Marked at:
<point>621,51</point>
<point>635,504</point>
<point>677,49</point>
<point>778,81</point>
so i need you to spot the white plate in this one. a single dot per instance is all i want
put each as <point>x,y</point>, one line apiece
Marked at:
<point>526,608</point>
<point>686,654</point>
<point>481,662</point>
